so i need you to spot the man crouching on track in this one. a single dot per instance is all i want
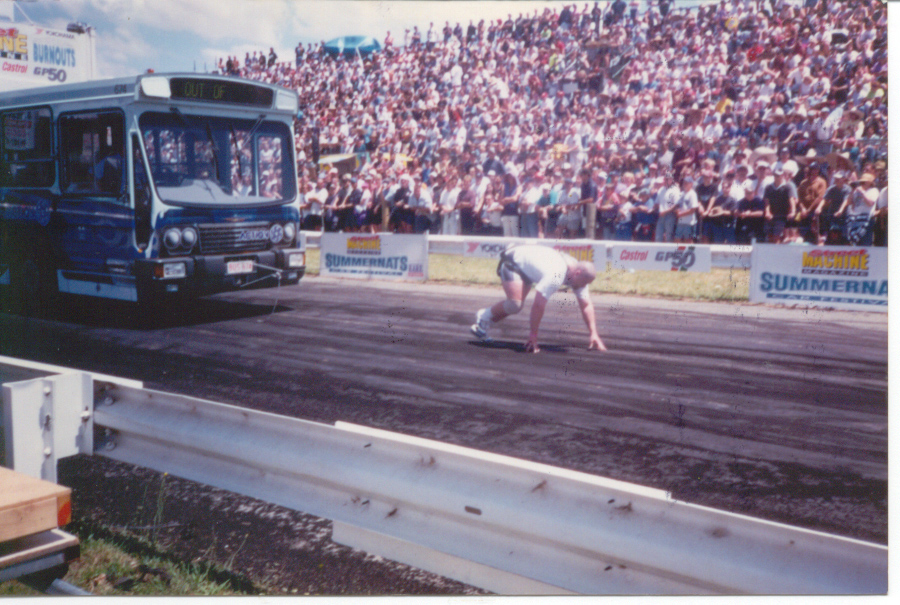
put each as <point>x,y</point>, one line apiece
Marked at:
<point>522,267</point>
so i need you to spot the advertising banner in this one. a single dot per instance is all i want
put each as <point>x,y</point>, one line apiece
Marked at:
<point>662,257</point>
<point>33,56</point>
<point>381,256</point>
<point>490,247</point>
<point>839,277</point>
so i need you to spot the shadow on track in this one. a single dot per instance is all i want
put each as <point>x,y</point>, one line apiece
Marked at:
<point>103,313</point>
<point>515,346</point>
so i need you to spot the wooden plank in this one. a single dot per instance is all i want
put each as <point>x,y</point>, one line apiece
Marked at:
<point>28,505</point>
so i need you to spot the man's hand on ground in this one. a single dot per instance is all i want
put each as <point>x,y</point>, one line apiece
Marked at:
<point>596,343</point>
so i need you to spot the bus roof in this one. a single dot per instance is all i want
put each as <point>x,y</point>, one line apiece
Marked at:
<point>182,87</point>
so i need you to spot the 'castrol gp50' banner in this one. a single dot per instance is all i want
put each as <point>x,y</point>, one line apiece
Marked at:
<point>587,250</point>
<point>31,55</point>
<point>662,257</point>
<point>839,277</point>
<point>381,256</point>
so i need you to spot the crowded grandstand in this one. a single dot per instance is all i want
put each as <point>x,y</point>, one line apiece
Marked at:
<point>736,121</point>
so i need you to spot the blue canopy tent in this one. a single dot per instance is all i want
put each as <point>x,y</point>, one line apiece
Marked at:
<point>351,45</point>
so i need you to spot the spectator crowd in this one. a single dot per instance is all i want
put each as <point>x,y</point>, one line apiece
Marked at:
<point>731,122</point>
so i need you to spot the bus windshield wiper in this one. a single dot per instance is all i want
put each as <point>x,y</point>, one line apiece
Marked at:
<point>250,134</point>
<point>215,152</point>
<point>238,147</point>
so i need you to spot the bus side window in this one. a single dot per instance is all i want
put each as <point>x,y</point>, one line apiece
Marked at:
<point>26,156</point>
<point>142,219</point>
<point>93,149</point>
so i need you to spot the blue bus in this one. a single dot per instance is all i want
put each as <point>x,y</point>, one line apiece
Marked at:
<point>147,189</point>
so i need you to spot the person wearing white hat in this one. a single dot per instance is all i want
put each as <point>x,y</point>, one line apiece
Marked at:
<point>858,209</point>
<point>750,216</point>
<point>761,178</point>
<point>686,210</point>
<point>666,199</point>
<point>781,205</point>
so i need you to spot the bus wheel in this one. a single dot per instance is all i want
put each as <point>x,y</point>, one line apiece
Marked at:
<point>34,284</point>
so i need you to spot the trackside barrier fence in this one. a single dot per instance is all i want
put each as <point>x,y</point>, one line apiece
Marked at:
<point>723,256</point>
<point>500,523</point>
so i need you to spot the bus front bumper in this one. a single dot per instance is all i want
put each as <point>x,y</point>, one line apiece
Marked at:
<point>203,275</point>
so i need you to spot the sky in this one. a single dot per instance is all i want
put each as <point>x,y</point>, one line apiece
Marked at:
<point>184,35</point>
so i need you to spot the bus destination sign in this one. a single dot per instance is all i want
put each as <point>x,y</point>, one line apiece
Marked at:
<point>217,91</point>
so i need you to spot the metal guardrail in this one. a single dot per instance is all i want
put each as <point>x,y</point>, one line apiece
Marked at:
<point>723,256</point>
<point>504,524</point>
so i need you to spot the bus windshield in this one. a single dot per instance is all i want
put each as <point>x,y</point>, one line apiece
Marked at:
<point>205,160</point>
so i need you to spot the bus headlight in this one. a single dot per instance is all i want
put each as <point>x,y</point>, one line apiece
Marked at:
<point>172,239</point>
<point>289,232</point>
<point>188,237</point>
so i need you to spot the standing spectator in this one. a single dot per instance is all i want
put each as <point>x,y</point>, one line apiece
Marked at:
<point>528,208</point>
<point>545,207</point>
<point>493,210</point>
<point>376,214</point>
<point>781,204</point>
<point>830,224</point>
<point>314,205</point>
<point>569,223</point>
<point>706,190</point>
<point>422,203</point>
<point>761,178</point>
<point>352,206</point>
<point>686,210</point>
<point>644,217</point>
<point>751,217</point>
<point>510,201</point>
<point>858,209</point>
<point>810,195</point>
<point>298,54</point>
<point>449,213</point>
<point>665,202</point>
<point>401,214</point>
<point>466,205</point>
<point>589,191</point>
<point>721,211</point>
<point>624,222</point>
<point>608,204</point>
<point>331,214</point>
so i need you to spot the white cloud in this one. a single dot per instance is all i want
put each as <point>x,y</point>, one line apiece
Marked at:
<point>120,50</point>
<point>173,35</point>
<point>211,20</point>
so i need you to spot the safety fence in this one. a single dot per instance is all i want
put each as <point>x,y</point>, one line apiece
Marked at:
<point>721,256</point>
<point>507,525</point>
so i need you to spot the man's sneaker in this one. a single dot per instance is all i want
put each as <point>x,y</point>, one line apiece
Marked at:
<point>482,325</point>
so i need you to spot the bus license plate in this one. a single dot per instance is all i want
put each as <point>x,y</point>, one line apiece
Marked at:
<point>237,267</point>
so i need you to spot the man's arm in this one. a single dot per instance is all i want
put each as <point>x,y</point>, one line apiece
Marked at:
<point>590,319</point>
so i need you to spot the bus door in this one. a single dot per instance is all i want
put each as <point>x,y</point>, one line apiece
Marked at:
<point>95,218</point>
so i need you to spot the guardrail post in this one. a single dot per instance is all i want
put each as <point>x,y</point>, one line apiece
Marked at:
<point>46,419</point>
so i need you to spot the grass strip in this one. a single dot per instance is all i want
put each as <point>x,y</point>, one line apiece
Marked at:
<point>115,563</point>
